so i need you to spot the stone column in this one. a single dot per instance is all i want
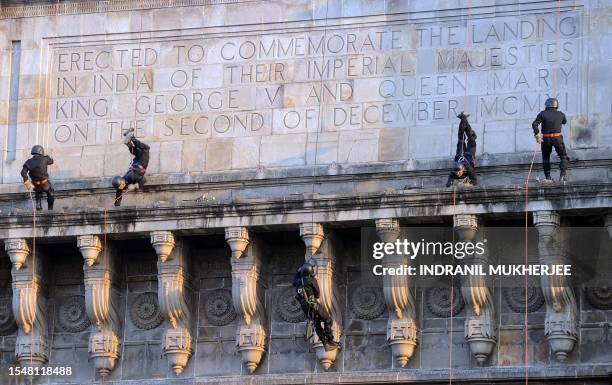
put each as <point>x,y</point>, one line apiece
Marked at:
<point>319,246</point>
<point>246,257</point>
<point>173,298</point>
<point>101,301</point>
<point>480,330</point>
<point>402,329</point>
<point>31,347</point>
<point>561,323</point>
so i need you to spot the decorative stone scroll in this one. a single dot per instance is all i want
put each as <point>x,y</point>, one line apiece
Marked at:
<point>561,323</point>
<point>519,302</point>
<point>320,247</point>
<point>248,302</point>
<point>173,298</point>
<point>72,314</point>
<point>599,294</point>
<point>144,311</point>
<point>101,301</point>
<point>367,302</point>
<point>480,331</point>
<point>31,347</point>
<point>7,320</point>
<point>287,306</point>
<point>444,301</point>
<point>218,307</point>
<point>402,329</point>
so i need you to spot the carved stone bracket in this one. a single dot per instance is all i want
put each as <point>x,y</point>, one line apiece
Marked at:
<point>173,298</point>
<point>90,246</point>
<point>312,234</point>
<point>163,243</point>
<point>402,329</point>
<point>246,267</point>
<point>18,250</point>
<point>31,347</point>
<point>101,300</point>
<point>480,331</point>
<point>561,323</point>
<point>320,247</point>
<point>238,239</point>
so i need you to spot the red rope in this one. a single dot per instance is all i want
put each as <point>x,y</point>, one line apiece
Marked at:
<point>452,300</point>
<point>526,263</point>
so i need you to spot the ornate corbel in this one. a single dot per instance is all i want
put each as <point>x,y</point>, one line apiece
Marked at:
<point>101,300</point>
<point>18,250</point>
<point>480,331</point>
<point>561,322</point>
<point>238,239</point>
<point>312,234</point>
<point>319,246</point>
<point>173,298</point>
<point>31,347</point>
<point>402,329</point>
<point>90,247</point>
<point>248,302</point>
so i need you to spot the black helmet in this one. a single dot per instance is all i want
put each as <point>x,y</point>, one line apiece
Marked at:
<point>117,181</point>
<point>308,268</point>
<point>37,150</point>
<point>551,103</point>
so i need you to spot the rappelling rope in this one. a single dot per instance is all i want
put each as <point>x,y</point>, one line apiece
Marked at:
<point>452,298</point>
<point>320,125</point>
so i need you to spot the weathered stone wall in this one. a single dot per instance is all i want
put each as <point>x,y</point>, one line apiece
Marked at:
<point>247,85</point>
<point>288,357</point>
<point>269,117</point>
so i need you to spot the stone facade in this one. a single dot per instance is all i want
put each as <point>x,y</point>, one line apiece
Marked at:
<point>278,129</point>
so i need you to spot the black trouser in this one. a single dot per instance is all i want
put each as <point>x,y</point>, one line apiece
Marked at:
<point>132,177</point>
<point>318,314</point>
<point>46,188</point>
<point>548,144</point>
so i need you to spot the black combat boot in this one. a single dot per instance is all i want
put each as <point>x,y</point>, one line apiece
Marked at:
<point>547,177</point>
<point>38,204</point>
<point>50,201</point>
<point>563,176</point>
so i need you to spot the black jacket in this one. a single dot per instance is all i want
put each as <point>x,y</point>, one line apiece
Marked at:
<point>140,151</point>
<point>310,287</point>
<point>551,121</point>
<point>36,167</point>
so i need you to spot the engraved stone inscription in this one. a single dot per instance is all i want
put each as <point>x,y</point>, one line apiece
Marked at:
<point>247,85</point>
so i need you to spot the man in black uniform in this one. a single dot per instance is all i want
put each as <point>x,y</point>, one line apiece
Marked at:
<point>551,120</point>
<point>36,168</point>
<point>465,155</point>
<point>307,293</point>
<point>137,169</point>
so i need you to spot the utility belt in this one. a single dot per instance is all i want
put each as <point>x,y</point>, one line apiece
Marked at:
<point>40,182</point>
<point>552,135</point>
<point>139,170</point>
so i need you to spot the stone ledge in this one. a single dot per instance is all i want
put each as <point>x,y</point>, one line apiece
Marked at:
<point>290,211</point>
<point>488,170</point>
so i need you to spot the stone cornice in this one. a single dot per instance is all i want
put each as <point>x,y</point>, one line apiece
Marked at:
<point>100,6</point>
<point>80,7</point>
<point>292,210</point>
